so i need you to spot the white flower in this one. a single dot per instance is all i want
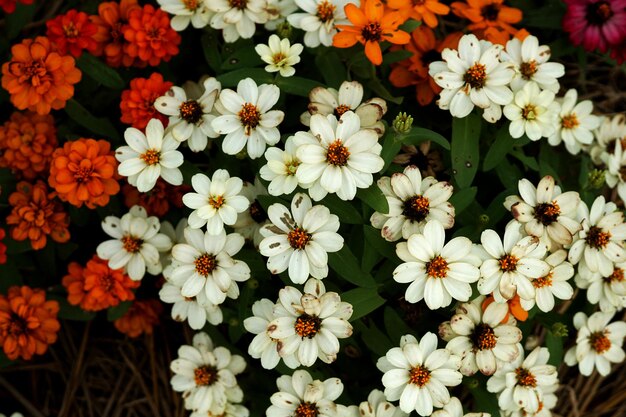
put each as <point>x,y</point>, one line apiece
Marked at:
<point>197,311</point>
<point>299,241</point>
<point>615,172</point>
<point>610,131</point>
<point>246,118</point>
<point>575,123</point>
<point>300,395</point>
<point>277,12</point>
<point>190,119</point>
<point>16,414</point>
<point>607,291</point>
<point>237,18</point>
<point>533,112</point>
<point>598,343</point>
<point>473,76</point>
<point>338,156</point>
<point>481,338</point>
<point>150,156</point>
<point>195,12</point>
<point>310,325</point>
<point>136,243</point>
<point>531,64</point>
<point>417,374</point>
<point>216,201</point>
<point>231,410</point>
<point>249,222</point>
<point>319,20</point>
<point>206,375</point>
<point>377,406</point>
<point>552,285</point>
<point>437,273</point>
<point>412,201</point>
<point>280,55</point>
<point>547,403</point>
<point>281,168</point>
<point>455,409</point>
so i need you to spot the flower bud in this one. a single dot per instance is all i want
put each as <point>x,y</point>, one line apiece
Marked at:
<point>284,30</point>
<point>596,178</point>
<point>402,123</point>
<point>559,329</point>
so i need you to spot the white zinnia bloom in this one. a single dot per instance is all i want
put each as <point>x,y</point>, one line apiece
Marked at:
<point>197,311</point>
<point>246,118</point>
<point>598,343</point>
<point>616,169</point>
<point>299,240</point>
<point>277,12</point>
<point>377,406</point>
<point>150,156</point>
<point>533,112</point>
<point>553,285</point>
<point>195,12</point>
<point>611,130</point>
<point>281,168</point>
<point>607,291</point>
<point>280,55</point>
<point>231,410</point>
<point>575,123</point>
<point>319,19</point>
<point>455,409</point>
<point>237,19</point>
<point>413,202</point>
<point>250,222</point>
<point>417,374</point>
<point>136,243</point>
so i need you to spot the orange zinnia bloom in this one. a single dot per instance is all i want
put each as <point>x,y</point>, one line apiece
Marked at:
<point>8,6</point>
<point>112,20</point>
<point>28,323</point>
<point>158,200</point>
<point>36,215</point>
<point>137,103</point>
<point>140,318</point>
<point>84,171</point>
<point>27,141</point>
<point>515,308</point>
<point>426,10</point>
<point>72,32</point>
<point>3,248</point>
<point>370,26</point>
<point>38,78</point>
<point>491,19</point>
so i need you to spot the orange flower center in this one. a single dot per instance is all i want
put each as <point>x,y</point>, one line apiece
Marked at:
<point>35,72</point>
<point>326,11</point>
<point>278,58</point>
<point>249,116</point>
<point>298,238</point>
<point>528,69</point>
<point>191,111</point>
<point>337,154</point>
<point>17,325</point>
<point>599,342</point>
<point>238,4</point>
<point>508,263</point>
<point>70,30</point>
<point>306,410</point>
<point>191,4</point>
<point>596,238</point>
<point>616,276</point>
<point>598,13</point>
<point>416,208</point>
<point>476,76</point>
<point>542,281</point>
<point>372,32</point>
<point>547,213</point>
<point>131,244</point>
<point>529,112</point>
<point>569,121</point>
<point>205,264</point>
<point>437,267</point>
<point>216,201</point>
<point>257,213</point>
<point>484,337</point>
<point>341,109</point>
<point>106,282</point>
<point>83,174</point>
<point>419,376</point>
<point>525,378</point>
<point>307,326</point>
<point>205,375</point>
<point>490,11</point>
<point>151,157</point>
<point>155,34</point>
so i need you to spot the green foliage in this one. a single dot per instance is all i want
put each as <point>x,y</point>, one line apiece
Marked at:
<point>465,150</point>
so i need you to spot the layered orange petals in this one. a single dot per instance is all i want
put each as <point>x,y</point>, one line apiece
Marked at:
<point>140,318</point>
<point>149,36</point>
<point>111,21</point>
<point>491,19</point>
<point>38,78</point>
<point>137,103</point>
<point>72,32</point>
<point>157,201</point>
<point>28,323</point>
<point>420,10</point>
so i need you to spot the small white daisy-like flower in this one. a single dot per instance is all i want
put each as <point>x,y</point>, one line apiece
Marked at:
<point>299,240</point>
<point>377,406</point>
<point>206,375</point>
<point>483,339</point>
<point>281,168</point>
<point>339,156</point>
<point>250,222</point>
<point>455,409</point>
<point>607,291</point>
<point>231,410</point>
<point>310,325</point>
<point>190,119</point>
<point>438,272</point>
<point>195,12</point>
<point>615,174</point>
<point>300,395</point>
<point>413,202</point>
<point>237,18</point>
<point>197,311</point>
<point>553,285</point>
<point>417,374</point>
<point>150,156</point>
<point>246,118</point>
<point>473,76</point>
<point>216,201</point>
<point>277,12</point>
<point>318,20</point>
<point>533,112</point>
<point>575,123</point>
<point>598,343</point>
<point>547,403</point>
<point>136,243</point>
<point>280,55</point>
<point>611,130</point>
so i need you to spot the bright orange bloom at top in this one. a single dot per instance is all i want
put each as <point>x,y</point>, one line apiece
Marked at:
<point>370,26</point>
<point>72,32</point>
<point>515,308</point>
<point>158,200</point>
<point>39,78</point>
<point>491,19</point>
<point>28,323</point>
<point>112,20</point>
<point>9,5</point>
<point>426,10</point>
<point>140,318</point>
<point>137,103</point>
<point>3,248</point>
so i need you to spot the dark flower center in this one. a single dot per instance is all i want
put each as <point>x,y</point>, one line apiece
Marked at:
<point>307,326</point>
<point>547,213</point>
<point>191,111</point>
<point>484,337</point>
<point>476,76</point>
<point>257,213</point>
<point>596,238</point>
<point>298,238</point>
<point>337,154</point>
<point>416,208</point>
<point>598,13</point>
<point>490,11</point>
<point>205,375</point>
<point>372,32</point>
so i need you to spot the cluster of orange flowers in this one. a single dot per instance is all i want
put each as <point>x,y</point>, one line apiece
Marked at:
<point>137,103</point>
<point>140,318</point>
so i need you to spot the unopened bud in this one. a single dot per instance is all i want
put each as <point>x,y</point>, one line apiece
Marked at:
<point>559,329</point>
<point>596,178</point>
<point>483,219</point>
<point>403,123</point>
<point>253,284</point>
<point>284,30</point>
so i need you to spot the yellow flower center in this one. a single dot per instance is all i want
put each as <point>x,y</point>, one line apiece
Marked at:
<point>508,263</point>
<point>542,281</point>
<point>569,121</point>
<point>191,111</point>
<point>547,213</point>
<point>525,378</point>
<point>437,267</point>
<point>337,154</point>
<point>306,410</point>
<point>528,69</point>
<point>131,244</point>
<point>249,116</point>
<point>151,157</point>
<point>205,375</point>
<point>298,238</point>
<point>419,376</point>
<point>416,208</point>
<point>596,238</point>
<point>205,264</point>
<point>476,76</point>
<point>484,337</point>
<point>326,11</point>
<point>599,342</point>
<point>307,326</point>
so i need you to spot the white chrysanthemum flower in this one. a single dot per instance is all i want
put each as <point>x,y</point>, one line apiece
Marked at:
<point>237,18</point>
<point>413,202</point>
<point>197,310</point>
<point>533,112</point>
<point>531,64</point>
<point>611,130</point>
<point>280,55</point>
<point>601,240</point>
<point>176,235</point>
<point>300,395</point>
<point>417,374</point>
<point>511,263</point>
<point>547,403</point>
<point>615,174</point>
<point>607,291</point>
<point>150,156</point>
<point>377,406</point>
<point>552,285</point>
<point>136,243</point>
<point>520,383</point>
<point>319,20</point>
<point>190,119</point>
<point>545,212</point>
<point>250,222</point>
<point>231,410</point>
<point>246,118</point>
<point>281,168</point>
<point>483,339</point>
<point>473,76</point>
<point>338,156</point>
<point>310,325</point>
<point>216,201</point>
<point>206,375</point>
<point>299,241</point>
<point>575,123</point>
<point>277,12</point>
<point>438,272</point>
<point>598,343</point>
<point>455,409</point>
<point>195,12</point>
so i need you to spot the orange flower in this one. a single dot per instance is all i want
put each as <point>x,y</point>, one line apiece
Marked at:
<point>140,318</point>
<point>370,26</point>
<point>9,5</point>
<point>97,287</point>
<point>36,215</point>
<point>111,21</point>
<point>426,10</point>
<point>491,19</point>
<point>158,200</point>
<point>84,171</point>
<point>72,32</point>
<point>28,323</point>
<point>515,308</point>
<point>38,78</point>
<point>137,103</point>
<point>3,248</point>
<point>27,141</point>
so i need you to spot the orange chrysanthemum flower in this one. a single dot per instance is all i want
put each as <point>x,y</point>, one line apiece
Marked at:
<point>111,21</point>
<point>140,318</point>
<point>28,323</point>
<point>36,215</point>
<point>491,19</point>
<point>38,78</point>
<point>150,37</point>
<point>137,103</point>
<point>370,26</point>
<point>72,32</point>
<point>84,171</point>
<point>157,201</point>
<point>515,308</point>
<point>3,248</point>
<point>420,10</point>
<point>96,286</point>
<point>8,6</point>
<point>27,141</point>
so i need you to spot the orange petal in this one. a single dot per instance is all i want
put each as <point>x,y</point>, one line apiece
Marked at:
<point>374,10</point>
<point>373,52</point>
<point>344,40</point>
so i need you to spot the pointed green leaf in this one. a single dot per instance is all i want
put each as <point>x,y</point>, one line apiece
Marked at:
<point>346,265</point>
<point>464,150</point>
<point>418,135</point>
<point>100,71</point>
<point>363,300</point>
<point>374,197</point>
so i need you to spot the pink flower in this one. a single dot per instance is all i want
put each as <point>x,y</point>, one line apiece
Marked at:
<point>595,23</point>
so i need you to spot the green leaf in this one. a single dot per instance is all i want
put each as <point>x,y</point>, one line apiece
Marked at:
<point>328,58</point>
<point>363,300</point>
<point>418,135</point>
<point>375,240</point>
<point>465,151</point>
<point>100,71</point>
<point>242,58</point>
<point>484,401</point>
<point>498,149</point>
<point>391,147</point>
<point>296,85</point>
<point>396,56</point>
<point>463,198</point>
<point>379,88</point>
<point>346,265</point>
<point>410,25</point>
<point>68,311</point>
<point>509,174</point>
<point>396,327</point>
<point>374,197</point>
<point>343,209</point>
<point>16,21</point>
<point>118,311</point>
<point>232,78</point>
<point>376,341</point>
<point>528,161</point>
<point>83,117</point>
<point>555,346</point>
<point>211,51</point>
